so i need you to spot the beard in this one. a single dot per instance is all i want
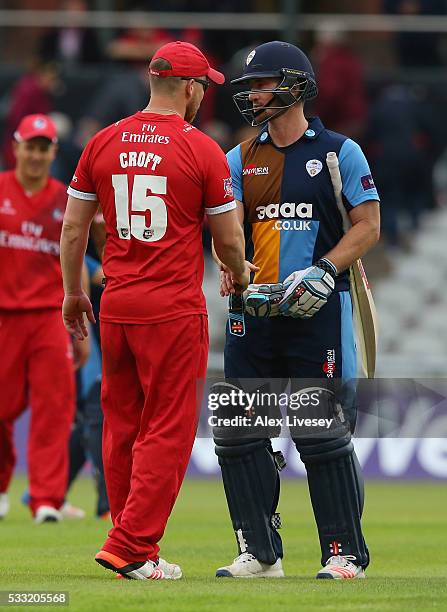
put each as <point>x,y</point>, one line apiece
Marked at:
<point>191,112</point>
<point>265,108</point>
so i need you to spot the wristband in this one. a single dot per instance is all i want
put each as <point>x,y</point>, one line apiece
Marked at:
<point>327,266</point>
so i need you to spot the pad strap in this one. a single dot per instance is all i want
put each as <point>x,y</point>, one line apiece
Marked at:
<point>236,320</point>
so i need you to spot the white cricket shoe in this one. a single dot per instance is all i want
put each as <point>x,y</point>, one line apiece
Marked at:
<point>71,512</point>
<point>47,514</point>
<point>4,505</point>
<point>148,570</point>
<point>341,567</point>
<point>171,571</point>
<point>247,566</point>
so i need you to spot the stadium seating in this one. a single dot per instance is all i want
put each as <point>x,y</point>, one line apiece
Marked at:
<point>412,306</point>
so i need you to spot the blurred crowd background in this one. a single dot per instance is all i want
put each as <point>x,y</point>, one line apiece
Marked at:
<point>380,82</point>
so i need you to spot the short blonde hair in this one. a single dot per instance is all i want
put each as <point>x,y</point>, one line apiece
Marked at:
<point>166,85</point>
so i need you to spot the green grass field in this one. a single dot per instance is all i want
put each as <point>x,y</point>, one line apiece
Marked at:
<point>405,525</point>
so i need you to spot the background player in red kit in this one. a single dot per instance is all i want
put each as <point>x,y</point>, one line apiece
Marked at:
<point>37,361</point>
<point>155,176</point>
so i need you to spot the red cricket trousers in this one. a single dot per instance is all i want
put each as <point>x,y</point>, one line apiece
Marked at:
<point>151,402</point>
<point>36,370</point>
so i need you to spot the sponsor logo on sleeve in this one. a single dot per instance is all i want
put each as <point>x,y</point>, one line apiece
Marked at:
<point>367,182</point>
<point>228,187</point>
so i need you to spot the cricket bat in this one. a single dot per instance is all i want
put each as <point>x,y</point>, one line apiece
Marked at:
<point>365,313</point>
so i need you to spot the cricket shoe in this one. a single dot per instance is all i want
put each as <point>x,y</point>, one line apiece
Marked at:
<point>341,567</point>
<point>247,566</point>
<point>47,514</point>
<point>71,512</point>
<point>140,570</point>
<point>4,505</point>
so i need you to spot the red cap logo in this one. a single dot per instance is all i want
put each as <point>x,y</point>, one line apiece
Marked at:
<point>36,126</point>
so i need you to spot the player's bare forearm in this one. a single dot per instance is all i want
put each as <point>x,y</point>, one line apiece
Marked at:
<point>359,239</point>
<point>98,233</point>
<point>85,281</point>
<point>214,255</point>
<point>230,250</point>
<point>75,229</point>
<point>240,217</point>
<point>354,244</point>
<point>235,271</point>
<point>228,240</point>
<point>73,247</point>
<point>77,219</point>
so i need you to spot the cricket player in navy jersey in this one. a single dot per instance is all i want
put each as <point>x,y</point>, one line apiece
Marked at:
<point>298,311</point>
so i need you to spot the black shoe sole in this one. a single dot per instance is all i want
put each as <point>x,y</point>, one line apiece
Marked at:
<point>223,574</point>
<point>122,570</point>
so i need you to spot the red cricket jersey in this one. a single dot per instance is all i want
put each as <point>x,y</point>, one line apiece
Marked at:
<point>155,176</point>
<point>30,230</point>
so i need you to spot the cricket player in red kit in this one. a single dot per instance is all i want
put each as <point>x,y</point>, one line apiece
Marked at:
<point>37,362</point>
<point>155,176</point>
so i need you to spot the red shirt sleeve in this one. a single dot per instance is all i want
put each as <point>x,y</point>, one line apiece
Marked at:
<point>218,188</point>
<point>81,185</point>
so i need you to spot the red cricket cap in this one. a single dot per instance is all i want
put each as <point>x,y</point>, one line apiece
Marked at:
<point>186,61</point>
<point>35,126</point>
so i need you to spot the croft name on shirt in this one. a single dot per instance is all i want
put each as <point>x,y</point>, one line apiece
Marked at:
<point>140,159</point>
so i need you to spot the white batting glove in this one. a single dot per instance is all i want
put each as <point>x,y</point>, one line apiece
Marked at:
<point>307,291</point>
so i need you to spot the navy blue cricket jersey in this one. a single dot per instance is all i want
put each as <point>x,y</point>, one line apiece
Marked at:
<point>291,212</point>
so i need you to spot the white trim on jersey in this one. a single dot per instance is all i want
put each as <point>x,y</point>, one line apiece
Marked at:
<point>81,195</point>
<point>217,210</point>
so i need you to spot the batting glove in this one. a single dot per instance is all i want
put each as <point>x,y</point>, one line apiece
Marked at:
<point>307,291</point>
<point>263,300</point>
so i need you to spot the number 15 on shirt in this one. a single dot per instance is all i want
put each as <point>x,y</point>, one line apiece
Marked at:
<point>134,223</point>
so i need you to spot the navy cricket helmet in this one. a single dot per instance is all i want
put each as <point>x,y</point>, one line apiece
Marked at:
<point>294,71</point>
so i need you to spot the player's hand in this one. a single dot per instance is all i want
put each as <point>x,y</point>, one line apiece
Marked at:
<point>225,281</point>
<point>307,291</point>
<point>263,300</point>
<point>229,284</point>
<point>81,350</point>
<point>240,281</point>
<point>73,310</point>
